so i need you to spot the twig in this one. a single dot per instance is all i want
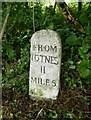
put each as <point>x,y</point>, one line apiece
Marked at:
<point>54,7</point>
<point>38,113</point>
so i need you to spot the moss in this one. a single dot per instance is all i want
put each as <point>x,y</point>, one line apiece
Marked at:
<point>38,93</point>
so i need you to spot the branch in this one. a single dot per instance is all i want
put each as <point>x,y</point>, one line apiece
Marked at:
<point>5,22</point>
<point>68,15</point>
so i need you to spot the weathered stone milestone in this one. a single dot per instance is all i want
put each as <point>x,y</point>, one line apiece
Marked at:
<point>45,64</point>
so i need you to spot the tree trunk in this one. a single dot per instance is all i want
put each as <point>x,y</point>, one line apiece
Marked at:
<point>68,15</point>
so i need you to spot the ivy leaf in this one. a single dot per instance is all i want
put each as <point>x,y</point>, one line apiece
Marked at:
<point>83,50</point>
<point>84,68</point>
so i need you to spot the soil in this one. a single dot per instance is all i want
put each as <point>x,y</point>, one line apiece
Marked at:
<point>19,105</point>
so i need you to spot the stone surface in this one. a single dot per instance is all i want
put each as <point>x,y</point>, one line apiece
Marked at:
<point>45,64</point>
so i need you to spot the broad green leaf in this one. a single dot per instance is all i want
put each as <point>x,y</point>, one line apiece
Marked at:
<point>83,50</point>
<point>84,68</point>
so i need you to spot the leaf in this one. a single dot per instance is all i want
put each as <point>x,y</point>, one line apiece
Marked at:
<point>10,52</point>
<point>72,40</point>
<point>83,50</point>
<point>70,62</point>
<point>69,115</point>
<point>72,67</point>
<point>24,37</point>
<point>84,68</point>
<point>11,115</point>
<point>50,26</point>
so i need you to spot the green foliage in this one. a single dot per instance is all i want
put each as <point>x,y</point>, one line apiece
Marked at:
<point>83,51</point>
<point>16,41</point>
<point>69,115</point>
<point>71,40</point>
<point>76,55</point>
<point>10,53</point>
<point>84,68</point>
<point>51,114</point>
